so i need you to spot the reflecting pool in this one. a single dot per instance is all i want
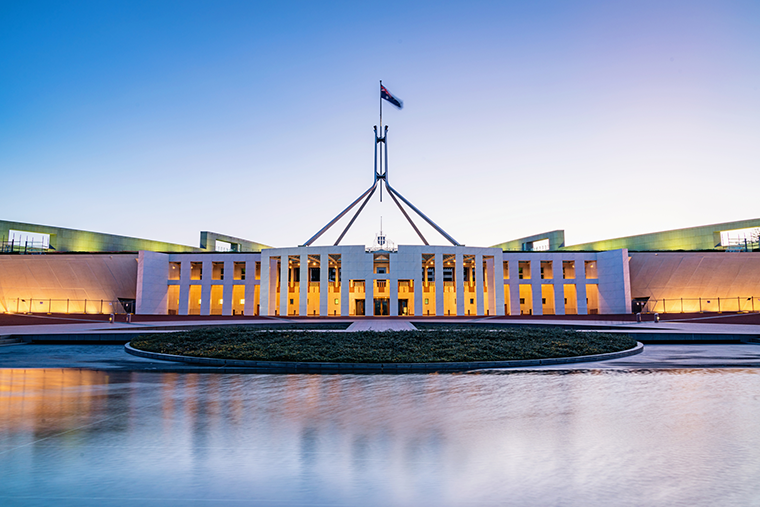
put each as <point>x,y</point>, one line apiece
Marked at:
<point>666,437</point>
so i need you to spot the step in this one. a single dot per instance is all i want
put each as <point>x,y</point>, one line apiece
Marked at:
<point>10,340</point>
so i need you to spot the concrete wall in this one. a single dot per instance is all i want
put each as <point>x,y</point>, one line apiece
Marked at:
<point>93,277</point>
<point>208,242</point>
<point>705,237</point>
<point>556,241</point>
<point>152,275</point>
<point>153,281</point>
<point>698,277</point>
<point>611,280</point>
<point>614,282</point>
<point>405,264</point>
<point>73,240</point>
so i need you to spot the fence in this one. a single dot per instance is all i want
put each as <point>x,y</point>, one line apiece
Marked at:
<point>699,305</point>
<point>76,306</point>
<point>24,247</point>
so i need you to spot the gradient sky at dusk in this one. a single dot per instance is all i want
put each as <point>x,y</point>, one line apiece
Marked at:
<point>160,119</point>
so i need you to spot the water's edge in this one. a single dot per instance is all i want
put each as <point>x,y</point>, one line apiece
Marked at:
<point>395,368</point>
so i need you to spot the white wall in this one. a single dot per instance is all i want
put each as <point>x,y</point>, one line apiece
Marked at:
<point>80,277</point>
<point>152,288</point>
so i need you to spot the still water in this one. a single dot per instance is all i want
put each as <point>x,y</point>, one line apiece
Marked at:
<point>668,437</point>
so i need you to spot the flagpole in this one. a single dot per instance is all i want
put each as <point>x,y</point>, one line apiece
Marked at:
<point>381,107</point>
<point>381,137</point>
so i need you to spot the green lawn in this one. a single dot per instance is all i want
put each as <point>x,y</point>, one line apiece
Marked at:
<point>428,346</point>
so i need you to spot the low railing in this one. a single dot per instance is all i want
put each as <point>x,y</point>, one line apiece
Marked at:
<point>73,306</point>
<point>24,247</point>
<point>701,305</point>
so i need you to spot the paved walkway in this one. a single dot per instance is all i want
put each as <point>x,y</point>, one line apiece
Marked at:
<point>114,358</point>
<point>382,325</point>
<point>375,324</point>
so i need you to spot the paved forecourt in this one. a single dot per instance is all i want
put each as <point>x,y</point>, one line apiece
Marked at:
<point>114,358</point>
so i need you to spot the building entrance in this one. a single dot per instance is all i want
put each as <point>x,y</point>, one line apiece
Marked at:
<point>403,307</point>
<point>381,306</point>
<point>359,307</point>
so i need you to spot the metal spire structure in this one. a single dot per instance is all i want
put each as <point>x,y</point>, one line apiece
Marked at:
<point>381,179</point>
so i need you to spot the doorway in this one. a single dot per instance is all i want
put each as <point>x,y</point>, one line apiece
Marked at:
<point>359,307</point>
<point>381,306</point>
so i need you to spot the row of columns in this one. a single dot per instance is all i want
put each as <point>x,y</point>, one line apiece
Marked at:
<point>536,282</point>
<point>207,282</point>
<point>495,293</point>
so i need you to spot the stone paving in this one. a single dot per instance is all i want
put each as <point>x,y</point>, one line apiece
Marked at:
<point>667,356</point>
<point>382,325</point>
<point>395,324</point>
<point>114,358</point>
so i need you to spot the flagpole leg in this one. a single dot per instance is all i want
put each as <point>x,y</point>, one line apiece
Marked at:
<point>381,107</point>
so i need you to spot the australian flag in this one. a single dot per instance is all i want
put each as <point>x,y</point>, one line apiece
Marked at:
<point>385,94</point>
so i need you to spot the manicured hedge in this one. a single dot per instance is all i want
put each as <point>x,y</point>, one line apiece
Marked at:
<point>439,345</point>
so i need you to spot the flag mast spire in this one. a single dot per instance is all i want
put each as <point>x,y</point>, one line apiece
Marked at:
<point>381,107</point>
<point>379,139</point>
<point>381,180</point>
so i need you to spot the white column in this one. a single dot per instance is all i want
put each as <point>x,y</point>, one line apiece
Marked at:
<point>324,284</point>
<point>514,287</point>
<point>392,285</point>
<point>535,281</point>
<point>580,285</point>
<point>268,286</point>
<point>559,292</point>
<point>250,296</point>
<point>344,294</point>
<point>369,296</point>
<point>439,283</point>
<point>284,292</point>
<point>184,287</point>
<point>264,297</point>
<point>480,285</point>
<point>418,281</point>
<point>495,277</point>
<point>229,276</point>
<point>303,286</point>
<point>459,280</point>
<point>206,288</point>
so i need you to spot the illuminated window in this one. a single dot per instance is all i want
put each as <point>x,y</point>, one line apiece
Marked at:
<point>217,271</point>
<point>739,237</point>
<point>222,246</point>
<point>239,273</point>
<point>28,239</point>
<point>196,270</point>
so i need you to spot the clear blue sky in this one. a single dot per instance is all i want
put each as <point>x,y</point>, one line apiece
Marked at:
<point>161,119</point>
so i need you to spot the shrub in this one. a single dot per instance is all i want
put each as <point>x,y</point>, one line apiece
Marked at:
<point>438,345</point>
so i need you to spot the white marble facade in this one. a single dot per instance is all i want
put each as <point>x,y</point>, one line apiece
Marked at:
<point>496,283</point>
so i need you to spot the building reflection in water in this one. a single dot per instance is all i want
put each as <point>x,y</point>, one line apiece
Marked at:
<point>404,440</point>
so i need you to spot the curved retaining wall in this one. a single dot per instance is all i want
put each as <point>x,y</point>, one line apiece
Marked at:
<point>298,367</point>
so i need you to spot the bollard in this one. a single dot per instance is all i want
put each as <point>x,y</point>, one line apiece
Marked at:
<point>657,317</point>
<point>638,317</point>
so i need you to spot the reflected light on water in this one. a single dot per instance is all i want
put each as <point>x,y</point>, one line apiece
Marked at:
<point>675,437</point>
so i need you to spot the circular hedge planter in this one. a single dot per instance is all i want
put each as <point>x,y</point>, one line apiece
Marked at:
<point>381,352</point>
